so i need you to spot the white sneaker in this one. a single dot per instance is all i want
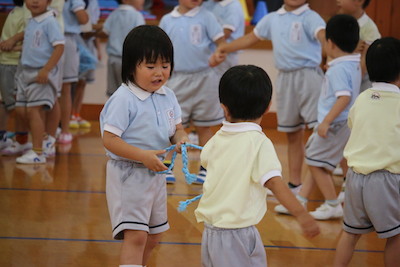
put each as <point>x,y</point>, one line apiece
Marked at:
<point>338,171</point>
<point>16,149</point>
<point>31,157</point>
<point>49,146</point>
<point>170,177</point>
<point>326,212</point>
<point>5,142</point>
<point>282,210</point>
<point>342,193</point>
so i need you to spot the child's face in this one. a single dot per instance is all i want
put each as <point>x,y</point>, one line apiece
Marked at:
<point>349,7</point>
<point>151,76</point>
<point>37,7</point>
<point>186,5</point>
<point>293,4</point>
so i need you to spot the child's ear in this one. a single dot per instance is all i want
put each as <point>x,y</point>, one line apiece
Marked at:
<point>226,111</point>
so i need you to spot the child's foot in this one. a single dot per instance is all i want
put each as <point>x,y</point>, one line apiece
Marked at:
<point>170,177</point>
<point>282,210</point>
<point>16,149</point>
<point>83,123</point>
<point>73,123</point>
<point>294,188</point>
<point>201,176</point>
<point>31,157</point>
<point>49,146</point>
<point>5,142</point>
<point>327,212</point>
<point>64,138</point>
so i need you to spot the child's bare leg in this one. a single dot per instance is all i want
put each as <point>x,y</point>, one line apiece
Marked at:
<point>53,119</point>
<point>324,181</point>
<point>295,155</point>
<point>133,247</point>
<point>307,187</point>
<point>152,242</point>
<point>78,97</point>
<point>392,256</point>
<point>205,133</point>
<point>36,124</point>
<point>345,248</point>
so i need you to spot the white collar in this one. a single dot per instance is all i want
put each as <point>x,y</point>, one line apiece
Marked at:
<point>126,7</point>
<point>140,93</point>
<point>353,57</point>
<point>363,19</point>
<point>238,127</point>
<point>191,13</point>
<point>297,11</point>
<point>387,87</point>
<point>43,16</point>
<point>225,2</point>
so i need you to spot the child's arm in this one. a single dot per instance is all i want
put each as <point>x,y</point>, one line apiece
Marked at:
<point>8,45</point>
<point>82,16</point>
<point>340,104</point>
<point>180,137</point>
<point>287,199</point>
<point>149,158</point>
<point>51,63</point>
<point>322,39</point>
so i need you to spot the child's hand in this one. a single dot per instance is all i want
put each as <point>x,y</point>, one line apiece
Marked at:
<point>152,162</point>
<point>360,47</point>
<point>308,225</point>
<point>42,76</point>
<point>216,59</point>
<point>178,148</point>
<point>323,129</point>
<point>7,45</point>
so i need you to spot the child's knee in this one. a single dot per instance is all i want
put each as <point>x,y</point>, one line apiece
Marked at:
<point>153,240</point>
<point>135,238</point>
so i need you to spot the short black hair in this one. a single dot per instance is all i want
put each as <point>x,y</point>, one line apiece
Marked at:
<point>246,91</point>
<point>383,60</point>
<point>18,2</point>
<point>365,4</point>
<point>119,2</point>
<point>343,31</point>
<point>145,42</point>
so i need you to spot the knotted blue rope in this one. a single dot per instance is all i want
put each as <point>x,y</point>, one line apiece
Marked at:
<point>189,177</point>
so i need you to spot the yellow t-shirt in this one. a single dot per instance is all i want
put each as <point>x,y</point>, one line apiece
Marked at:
<point>239,159</point>
<point>368,30</point>
<point>374,120</point>
<point>15,23</point>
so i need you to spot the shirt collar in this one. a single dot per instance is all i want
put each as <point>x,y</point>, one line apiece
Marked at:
<point>363,19</point>
<point>126,7</point>
<point>297,11</point>
<point>353,57</point>
<point>238,127</point>
<point>387,87</point>
<point>225,2</point>
<point>191,13</point>
<point>45,15</point>
<point>142,94</point>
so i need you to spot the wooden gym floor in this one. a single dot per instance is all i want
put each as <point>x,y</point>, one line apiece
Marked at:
<point>56,215</point>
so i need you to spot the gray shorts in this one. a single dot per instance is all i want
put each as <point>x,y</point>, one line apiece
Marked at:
<point>7,85</point>
<point>114,68</point>
<point>372,203</point>
<point>30,93</point>
<point>136,198</point>
<point>327,152</point>
<point>297,94</point>
<point>71,59</point>
<point>232,247</point>
<point>197,94</point>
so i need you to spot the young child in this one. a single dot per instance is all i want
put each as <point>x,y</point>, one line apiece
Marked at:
<point>13,25</point>
<point>230,15</point>
<point>116,27</point>
<point>372,190</point>
<point>37,79</point>
<point>74,15</point>
<point>296,33</point>
<point>193,31</point>
<point>234,195</point>
<point>324,149</point>
<point>368,31</point>
<point>137,122</point>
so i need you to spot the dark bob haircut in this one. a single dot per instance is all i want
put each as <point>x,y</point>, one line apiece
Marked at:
<point>246,91</point>
<point>343,31</point>
<point>145,43</point>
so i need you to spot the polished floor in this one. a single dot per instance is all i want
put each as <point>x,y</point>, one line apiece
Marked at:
<point>56,215</point>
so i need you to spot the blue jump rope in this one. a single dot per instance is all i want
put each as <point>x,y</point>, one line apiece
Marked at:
<point>190,177</point>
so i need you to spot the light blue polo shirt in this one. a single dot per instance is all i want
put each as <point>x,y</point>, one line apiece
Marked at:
<point>229,14</point>
<point>71,24</point>
<point>343,78</point>
<point>142,119</point>
<point>193,35</point>
<point>42,33</point>
<point>117,26</point>
<point>294,37</point>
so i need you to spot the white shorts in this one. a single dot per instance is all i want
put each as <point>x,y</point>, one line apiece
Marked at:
<point>197,94</point>
<point>136,198</point>
<point>297,94</point>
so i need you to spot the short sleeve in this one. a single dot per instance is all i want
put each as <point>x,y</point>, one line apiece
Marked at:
<point>213,28</point>
<point>339,81</point>
<point>267,164</point>
<point>263,28</point>
<point>313,23</point>
<point>54,33</point>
